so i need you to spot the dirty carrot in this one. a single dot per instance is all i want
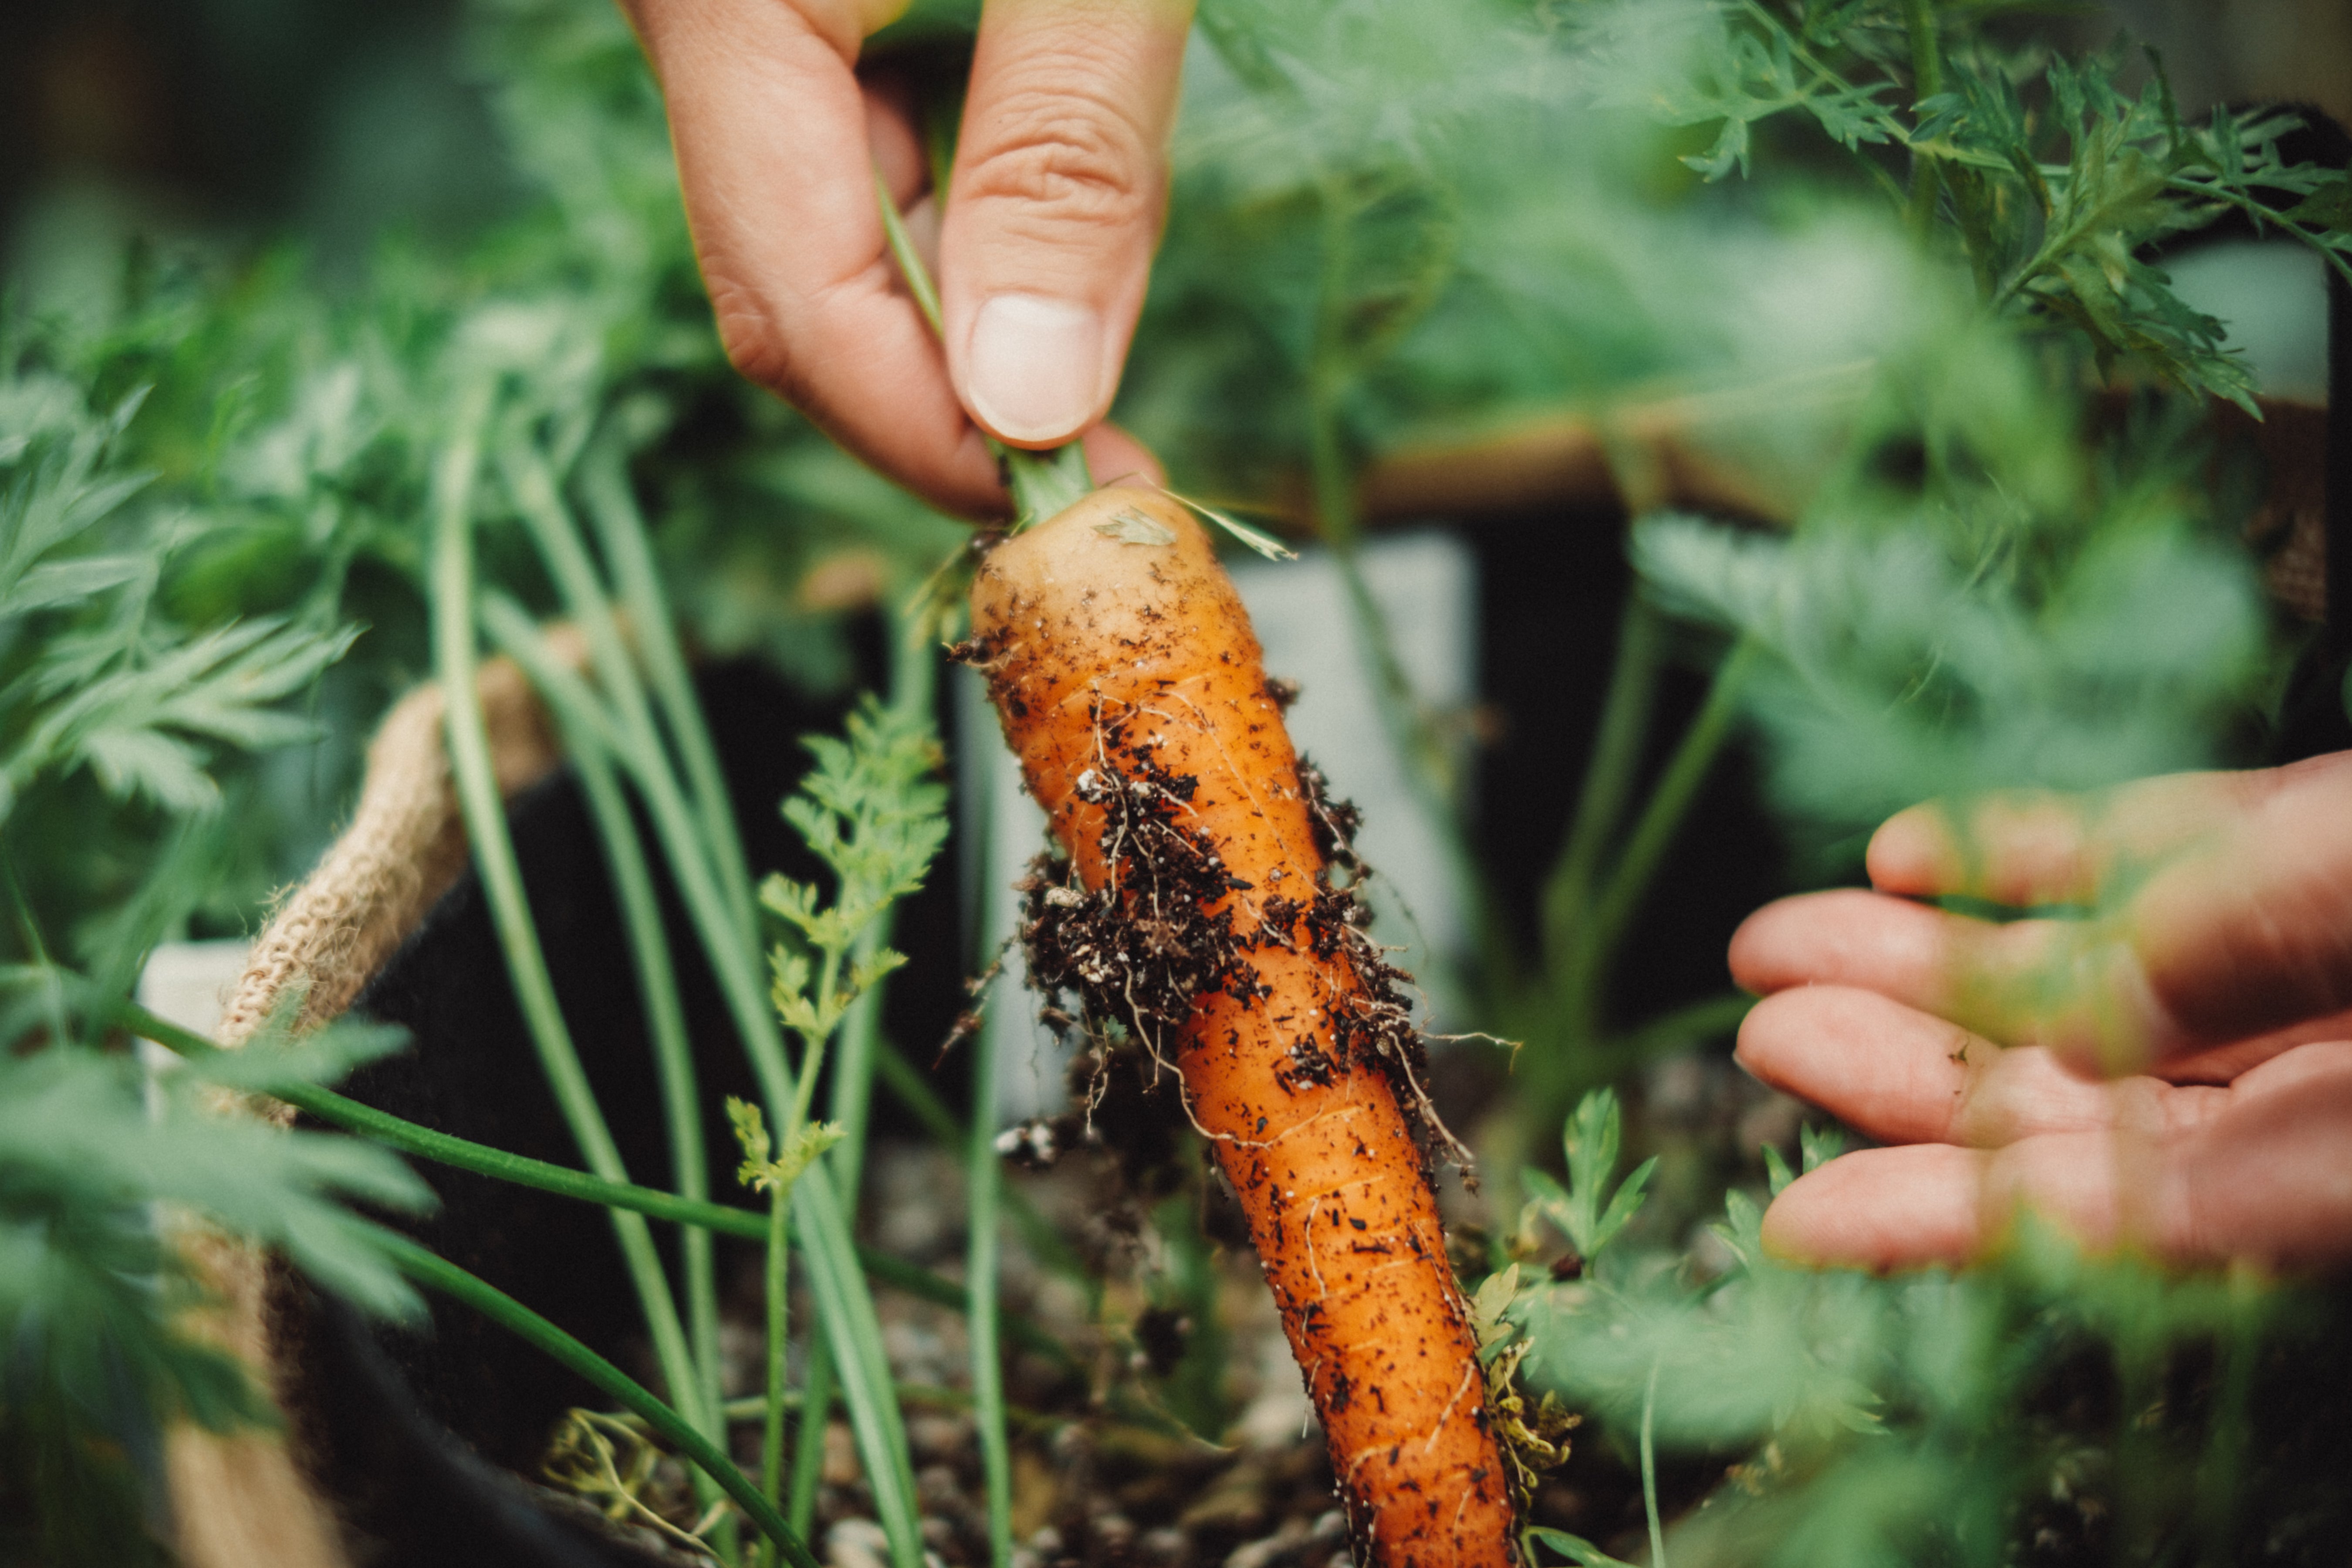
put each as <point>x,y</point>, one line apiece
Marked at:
<point>1198,911</point>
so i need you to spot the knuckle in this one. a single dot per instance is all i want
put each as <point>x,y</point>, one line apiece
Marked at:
<point>1065,157</point>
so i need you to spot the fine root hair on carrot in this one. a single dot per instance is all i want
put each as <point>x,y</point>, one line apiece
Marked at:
<point>1206,905</point>
<point>1138,951</point>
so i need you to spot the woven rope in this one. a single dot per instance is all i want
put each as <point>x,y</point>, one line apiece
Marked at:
<point>240,1499</point>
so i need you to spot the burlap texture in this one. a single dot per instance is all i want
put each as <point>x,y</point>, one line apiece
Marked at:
<point>241,1499</point>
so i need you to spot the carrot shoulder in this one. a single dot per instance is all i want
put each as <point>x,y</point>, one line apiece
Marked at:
<point>1133,690</point>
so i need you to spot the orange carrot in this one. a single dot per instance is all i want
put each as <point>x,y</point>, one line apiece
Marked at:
<point>1133,690</point>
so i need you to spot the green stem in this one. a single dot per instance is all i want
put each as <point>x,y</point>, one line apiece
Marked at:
<point>983,1177</point>
<point>828,982</point>
<point>844,1310</point>
<point>1926,58</point>
<point>501,878</point>
<point>1926,81</point>
<point>673,1052</point>
<point>428,1269</point>
<point>1650,1470</point>
<point>1042,483</point>
<point>52,985</point>
<point>818,1385</point>
<point>912,683</point>
<point>913,678</point>
<point>771,1433</point>
<point>1654,832</point>
<point>726,936</point>
<point>2227,1440</point>
<point>591,737</point>
<point>1045,484</point>
<point>1608,777</point>
<point>481,1160</point>
<point>847,1315</point>
<point>621,531</point>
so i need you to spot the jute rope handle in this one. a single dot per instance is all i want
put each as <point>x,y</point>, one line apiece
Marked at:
<point>240,1499</point>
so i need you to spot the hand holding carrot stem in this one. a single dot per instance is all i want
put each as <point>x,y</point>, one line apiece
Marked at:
<point>1043,242</point>
<point>2211,982</point>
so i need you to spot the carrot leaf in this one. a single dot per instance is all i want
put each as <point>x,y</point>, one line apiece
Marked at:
<point>1591,1143</point>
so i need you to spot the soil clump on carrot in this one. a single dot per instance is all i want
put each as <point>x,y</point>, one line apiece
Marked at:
<point>1140,958</point>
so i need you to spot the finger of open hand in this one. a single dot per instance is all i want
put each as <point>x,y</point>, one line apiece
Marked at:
<point>1901,1076</point>
<point>2228,914</point>
<point>2267,1177</point>
<point>1060,184</point>
<point>2079,987</point>
<point>776,160</point>
<point>2024,847</point>
<point>1932,1203</point>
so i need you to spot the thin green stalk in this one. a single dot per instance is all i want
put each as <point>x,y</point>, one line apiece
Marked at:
<point>733,960</point>
<point>1650,1471</point>
<point>628,554</point>
<point>1926,81</point>
<point>1654,832</point>
<point>1042,483</point>
<point>818,1386</point>
<point>907,1083</point>
<point>728,939</point>
<point>589,738</point>
<point>1608,776</point>
<point>812,1044</point>
<point>1926,58</point>
<point>481,1160</point>
<point>913,682</point>
<point>2219,1473</point>
<point>501,877</point>
<point>911,687</point>
<point>844,1308</point>
<point>771,1430</point>
<point>52,989</point>
<point>552,529</point>
<point>436,1273</point>
<point>590,742</point>
<point>847,1314</point>
<point>633,885</point>
<point>983,1177</point>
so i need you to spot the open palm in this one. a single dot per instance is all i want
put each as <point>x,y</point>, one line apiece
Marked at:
<point>2171,1070</point>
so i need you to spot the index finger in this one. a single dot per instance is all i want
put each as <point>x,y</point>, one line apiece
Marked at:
<point>777,171</point>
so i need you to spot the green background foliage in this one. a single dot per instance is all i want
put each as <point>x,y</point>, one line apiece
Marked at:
<point>1908,247</point>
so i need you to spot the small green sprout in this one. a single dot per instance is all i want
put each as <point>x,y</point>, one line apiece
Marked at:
<point>1585,1211</point>
<point>1816,1147</point>
<point>873,812</point>
<point>802,1146</point>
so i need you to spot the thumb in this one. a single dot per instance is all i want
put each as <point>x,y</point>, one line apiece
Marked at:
<point>1060,181</point>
